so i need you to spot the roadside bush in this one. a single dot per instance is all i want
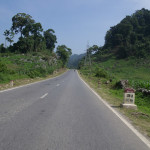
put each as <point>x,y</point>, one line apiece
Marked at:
<point>42,71</point>
<point>101,73</point>
<point>38,72</point>
<point>4,78</point>
<point>50,70</point>
<point>33,74</point>
<point>3,67</point>
<point>140,84</point>
<point>143,101</point>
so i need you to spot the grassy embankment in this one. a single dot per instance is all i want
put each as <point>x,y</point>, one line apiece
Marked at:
<point>24,69</point>
<point>137,72</point>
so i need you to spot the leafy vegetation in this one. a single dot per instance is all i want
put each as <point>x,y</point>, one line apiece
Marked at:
<point>125,56</point>
<point>63,53</point>
<point>25,66</point>
<point>101,73</point>
<point>33,54</point>
<point>131,37</point>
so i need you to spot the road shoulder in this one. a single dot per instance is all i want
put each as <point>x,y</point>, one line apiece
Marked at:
<point>117,113</point>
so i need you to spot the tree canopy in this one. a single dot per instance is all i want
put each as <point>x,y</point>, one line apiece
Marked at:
<point>131,37</point>
<point>63,53</point>
<point>50,39</point>
<point>32,37</point>
<point>20,21</point>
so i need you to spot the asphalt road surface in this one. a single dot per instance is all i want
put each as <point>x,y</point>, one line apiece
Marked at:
<point>61,114</point>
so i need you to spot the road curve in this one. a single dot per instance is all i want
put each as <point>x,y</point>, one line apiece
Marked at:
<point>61,114</point>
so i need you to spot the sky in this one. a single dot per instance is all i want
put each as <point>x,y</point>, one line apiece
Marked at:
<point>76,22</point>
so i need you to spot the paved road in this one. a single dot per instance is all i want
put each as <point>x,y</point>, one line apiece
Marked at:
<point>61,114</point>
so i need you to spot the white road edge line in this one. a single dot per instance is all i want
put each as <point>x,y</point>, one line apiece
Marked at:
<point>30,84</point>
<point>44,96</point>
<point>118,115</point>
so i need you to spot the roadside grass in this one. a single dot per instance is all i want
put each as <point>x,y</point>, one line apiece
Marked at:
<point>131,68</point>
<point>139,118</point>
<point>24,81</point>
<point>136,71</point>
<point>26,68</point>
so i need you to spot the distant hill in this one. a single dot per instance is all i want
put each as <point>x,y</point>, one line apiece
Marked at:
<point>74,60</point>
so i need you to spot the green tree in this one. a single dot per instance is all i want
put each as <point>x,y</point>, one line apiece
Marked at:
<point>9,35</point>
<point>36,30</point>
<point>2,48</point>
<point>27,30</point>
<point>131,36</point>
<point>20,21</point>
<point>50,39</point>
<point>93,49</point>
<point>63,53</point>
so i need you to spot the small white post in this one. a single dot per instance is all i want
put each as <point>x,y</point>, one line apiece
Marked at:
<point>11,83</point>
<point>129,99</point>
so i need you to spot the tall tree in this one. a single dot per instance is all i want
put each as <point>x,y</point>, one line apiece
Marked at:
<point>64,53</point>
<point>50,39</point>
<point>36,30</point>
<point>93,49</point>
<point>20,21</point>
<point>2,48</point>
<point>9,35</point>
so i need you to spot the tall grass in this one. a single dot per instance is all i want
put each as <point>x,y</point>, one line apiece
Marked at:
<point>18,66</point>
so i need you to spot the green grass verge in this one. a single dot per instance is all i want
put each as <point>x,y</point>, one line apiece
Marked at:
<point>131,68</point>
<point>139,118</point>
<point>26,66</point>
<point>24,81</point>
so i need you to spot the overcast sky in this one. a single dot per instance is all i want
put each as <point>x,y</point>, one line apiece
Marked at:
<point>75,22</point>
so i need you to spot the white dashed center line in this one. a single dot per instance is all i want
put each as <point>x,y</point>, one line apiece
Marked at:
<point>44,96</point>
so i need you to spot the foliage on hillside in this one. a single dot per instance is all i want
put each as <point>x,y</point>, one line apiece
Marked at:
<point>131,37</point>
<point>26,66</point>
<point>63,53</point>
<point>124,56</point>
<point>133,51</point>
<point>33,54</point>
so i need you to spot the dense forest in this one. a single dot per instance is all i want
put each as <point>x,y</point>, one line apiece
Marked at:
<point>131,37</point>
<point>32,55</point>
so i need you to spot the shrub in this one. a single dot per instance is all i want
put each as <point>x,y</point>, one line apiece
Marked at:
<point>140,84</point>
<point>3,67</point>
<point>4,78</point>
<point>101,73</point>
<point>50,70</point>
<point>33,74</point>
